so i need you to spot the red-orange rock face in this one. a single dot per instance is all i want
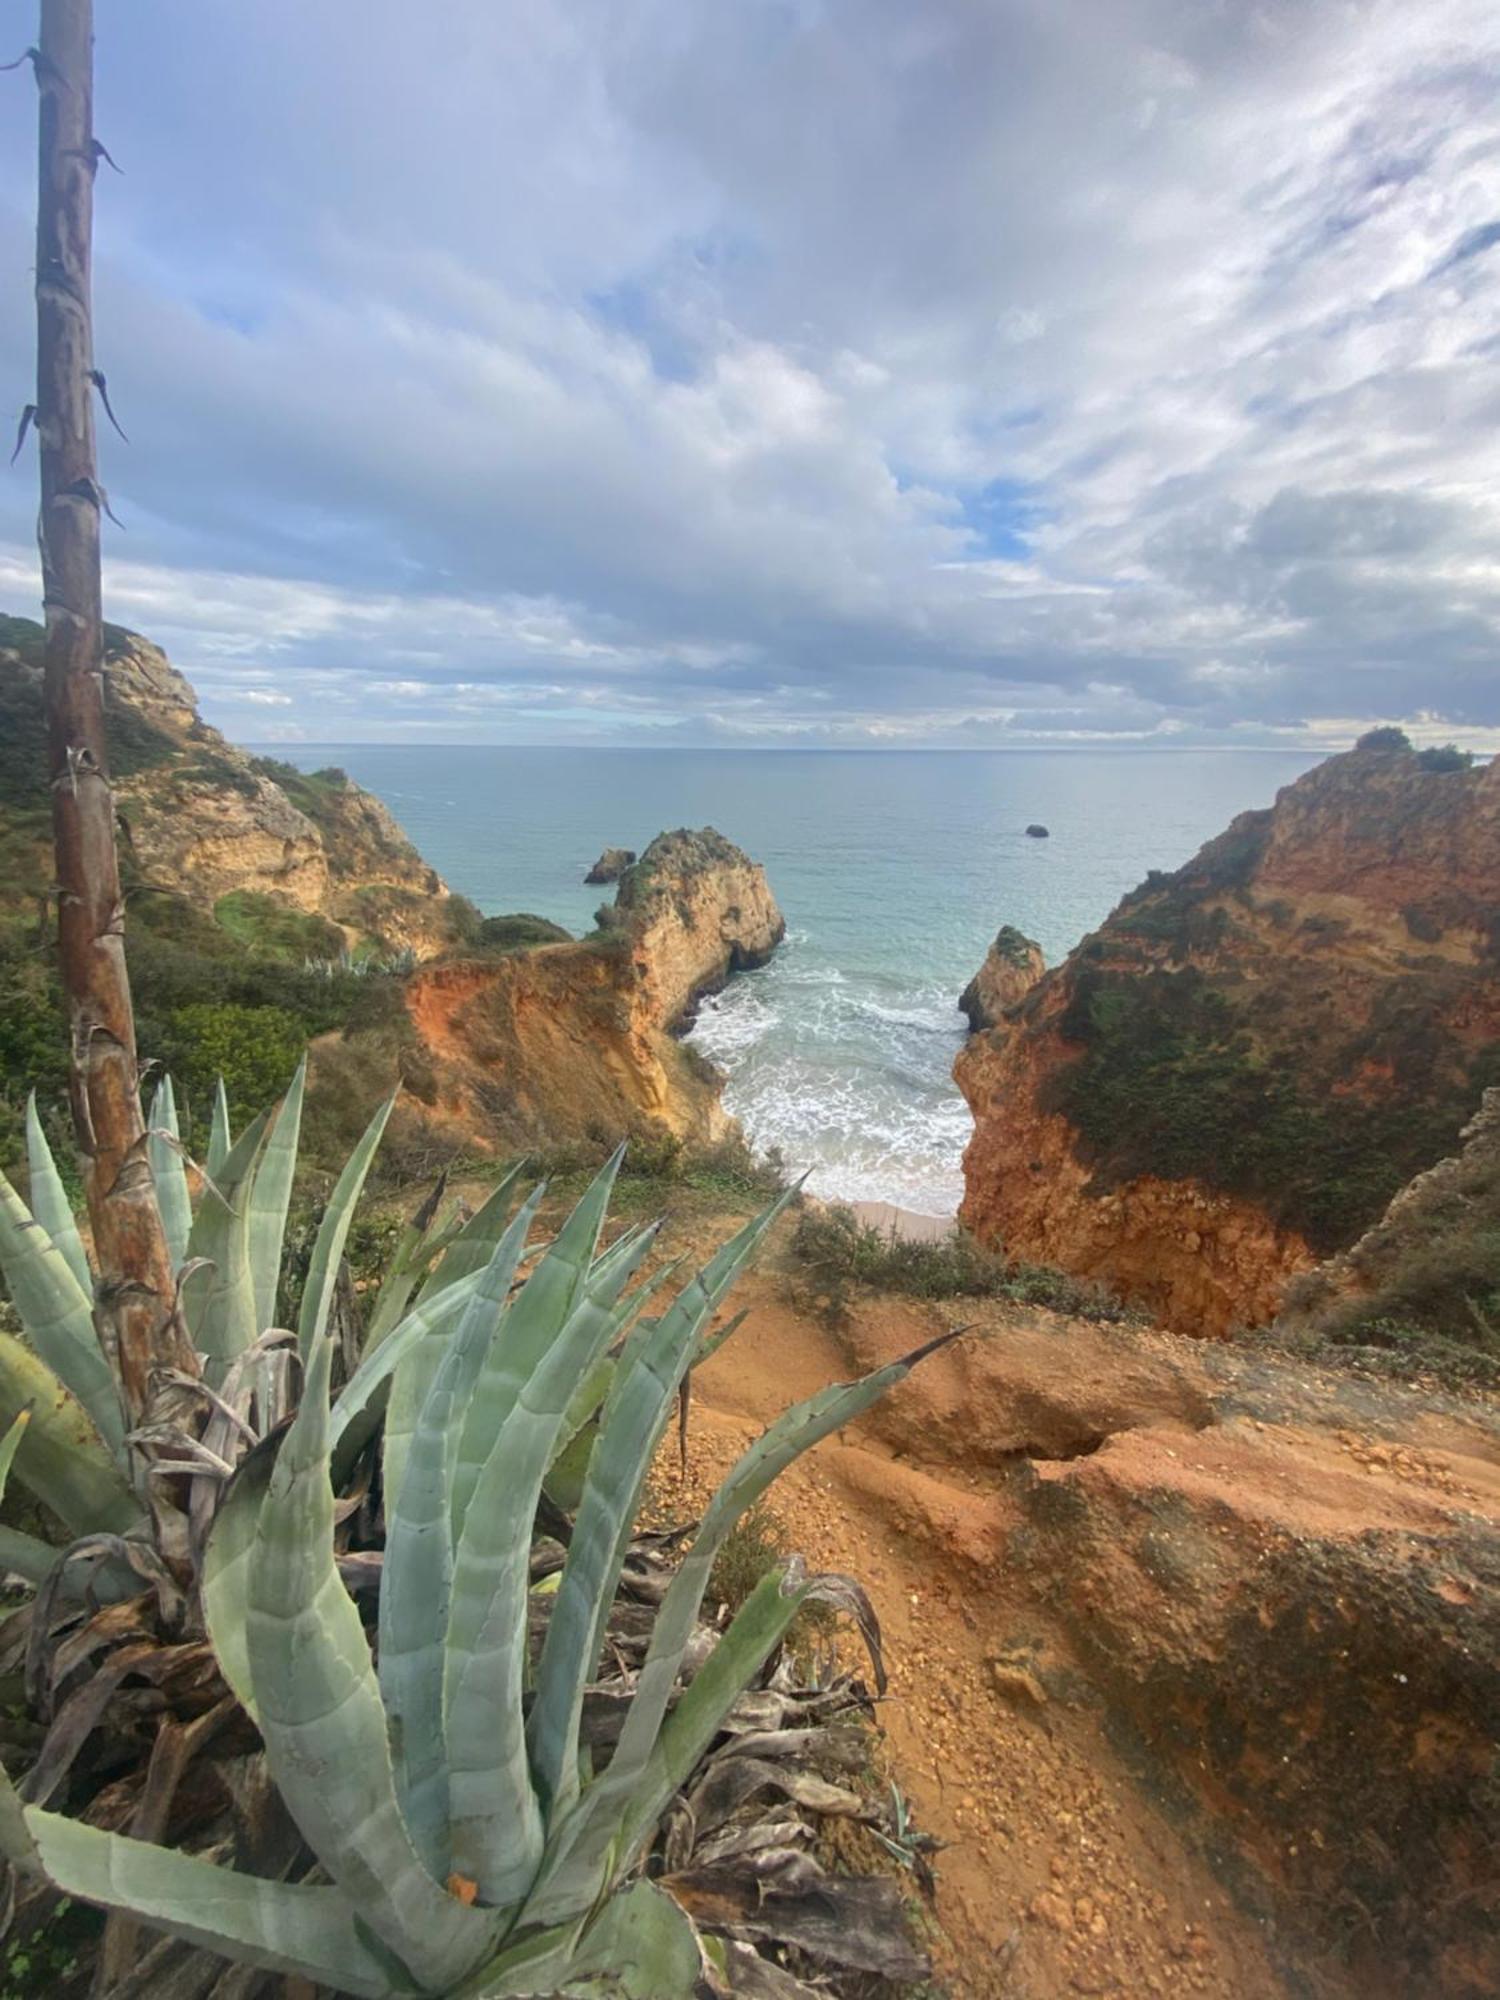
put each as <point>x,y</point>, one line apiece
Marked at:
<point>1234,1075</point>
<point>569,1044</point>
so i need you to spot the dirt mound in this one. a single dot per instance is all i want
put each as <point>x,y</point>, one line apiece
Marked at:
<point>1195,1651</point>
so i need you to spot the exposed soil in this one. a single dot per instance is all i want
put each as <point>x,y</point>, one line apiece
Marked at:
<point>1077,1862</point>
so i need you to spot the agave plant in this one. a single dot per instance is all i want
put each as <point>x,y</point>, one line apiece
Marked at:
<point>77,1456</point>
<point>462,1841</point>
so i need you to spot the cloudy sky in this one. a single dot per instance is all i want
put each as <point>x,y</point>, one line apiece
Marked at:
<point>796,371</point>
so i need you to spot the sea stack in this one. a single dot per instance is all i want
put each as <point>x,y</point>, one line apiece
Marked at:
<point>1012,966</point>
<point>1036,831</point>
<point>560,1045</point>
<point>1232,1077</point>
<point>611,865</point>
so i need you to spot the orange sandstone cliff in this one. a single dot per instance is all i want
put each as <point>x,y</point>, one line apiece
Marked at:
<point>1231,1078</point>
<point>239,838</point>
<point>576,1043</point>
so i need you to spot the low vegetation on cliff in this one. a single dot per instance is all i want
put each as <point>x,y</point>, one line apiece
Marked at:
<point>1236,1073</point>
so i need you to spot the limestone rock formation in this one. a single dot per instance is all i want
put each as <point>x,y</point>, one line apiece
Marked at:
<point>1231,1078</point>
<point>611,864</point>
<point>202,819</point>
<point>1012,966</point>
<point>576,1044</point>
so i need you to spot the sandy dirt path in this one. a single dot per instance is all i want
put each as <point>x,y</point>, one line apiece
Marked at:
<point>1059,1877</point>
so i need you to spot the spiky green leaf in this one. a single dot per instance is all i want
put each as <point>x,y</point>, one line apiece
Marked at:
<point>57,1315</point>
<point>333,1233</point>
<point>319,1709</point>
<point>168,1170</point>
<point>535,1317</point>
<point>49,1200</point>
<point>220,1137</point>
<point>471,1248</point>
<point>61,1457</point>
<point>417,1575</point>
<point>305,1931</point>
<point>647,1376</point>
<point>496,1822</point>
<point>486,1291</point>
<point>592,1831</point>
<point>271,1197</point>
<point>218,1298</point>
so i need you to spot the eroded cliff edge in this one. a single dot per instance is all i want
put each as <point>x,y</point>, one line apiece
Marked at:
<point>578,1044</point>
<point>1231,1078</point>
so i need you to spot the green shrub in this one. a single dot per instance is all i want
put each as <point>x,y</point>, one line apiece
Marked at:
<point>839,1251</point>
<point>1388,738</point>
<point>1173,1081</point>
<point>1446,757</point>
<point>266,924</point>
<point>518,932</point>
<point>255,1050</point>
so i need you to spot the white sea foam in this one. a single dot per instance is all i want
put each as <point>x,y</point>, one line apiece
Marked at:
<point>847,1076</point>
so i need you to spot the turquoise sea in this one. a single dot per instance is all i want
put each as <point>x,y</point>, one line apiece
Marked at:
<point>894,871</point>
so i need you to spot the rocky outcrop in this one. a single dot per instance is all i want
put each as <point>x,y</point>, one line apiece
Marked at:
<point>1294,1613</point>
<point>692,910</point>
<point>1012,966</point>
<point>1036,831</point>
<point>202,819</point>
<point>611,865</point>
<point>576,1044</point>
<point>1230,1079</point>
<point>1272,1589</point>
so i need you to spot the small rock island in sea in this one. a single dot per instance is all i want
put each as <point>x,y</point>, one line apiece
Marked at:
<point>611,864</point>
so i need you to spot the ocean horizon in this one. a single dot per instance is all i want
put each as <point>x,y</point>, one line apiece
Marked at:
<point>892,877</point>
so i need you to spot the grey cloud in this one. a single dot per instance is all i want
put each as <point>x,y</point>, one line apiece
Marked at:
<point>653,366</point>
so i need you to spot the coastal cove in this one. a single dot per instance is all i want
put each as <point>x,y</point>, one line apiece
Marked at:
<point>894,870</point>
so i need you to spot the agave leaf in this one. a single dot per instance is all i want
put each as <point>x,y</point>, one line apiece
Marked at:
<point>536,1314</point>
<point>58,1315</point>
<point>646,1380</point>
<point>593,1829</point>
<point>220,1138</point>
<point>423,1238</point>
<point>305,1931</point>
<point>168,1171</point>
<point>471,1247</point>
<point>363,1399</point>
<point>486,1292</point>
<point>319,1711</point>
<point>598,1838</point>
<point>49,1200</point>
<point>218,1295</point>
<point>640,1946</point>
<point>757,1628</point>
<point>25,1555</point>
<point>712,1342</point>
<point>224,1574</point>
<point>333,1233</point>
<point>417,1575</point>
<point>270,1198</point>
<point>9,1443</point>
<point>793,1433</point>
<point>589,1398</point>
<point>61,1456</point>
<point>496,1823</point>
